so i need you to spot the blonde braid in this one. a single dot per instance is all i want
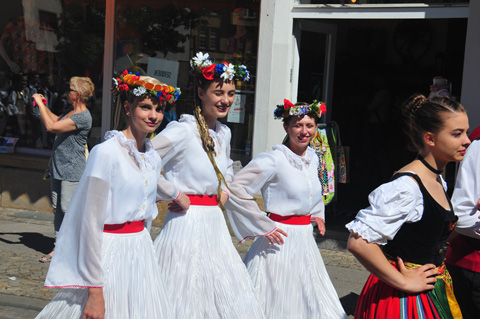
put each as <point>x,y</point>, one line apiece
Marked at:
<point>209,146</point>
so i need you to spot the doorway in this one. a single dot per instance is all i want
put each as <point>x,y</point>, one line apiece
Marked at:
<point>376,62</point>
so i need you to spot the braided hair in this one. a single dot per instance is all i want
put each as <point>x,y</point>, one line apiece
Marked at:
<point>427,115</point>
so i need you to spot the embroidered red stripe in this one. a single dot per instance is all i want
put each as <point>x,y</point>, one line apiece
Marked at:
<point>291,219</point>
<point>125,228</point>
<point>203,200</point>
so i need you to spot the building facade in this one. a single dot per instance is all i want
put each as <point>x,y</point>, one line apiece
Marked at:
<point>350,54</point>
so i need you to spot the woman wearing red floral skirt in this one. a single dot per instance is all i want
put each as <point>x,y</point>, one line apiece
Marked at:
<point>411,217</point>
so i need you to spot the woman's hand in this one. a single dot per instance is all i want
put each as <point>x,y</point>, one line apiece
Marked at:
<point>95,306</point>
<point>223,198</point>
<point>39,99</point>
<point>276,236</point>
<point>180,205</point>
<point>418,279</point>
<point>321,225</point>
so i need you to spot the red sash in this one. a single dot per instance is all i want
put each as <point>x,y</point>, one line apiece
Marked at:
<point>203,200</point>
<point>291,219</point>
<point>125,228</point>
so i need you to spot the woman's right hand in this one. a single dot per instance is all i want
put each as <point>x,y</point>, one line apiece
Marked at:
<point>38,98</point>
<point>418,279</point>
<point>180,205</point>
<point>95,306</point>
<point>276,237</point>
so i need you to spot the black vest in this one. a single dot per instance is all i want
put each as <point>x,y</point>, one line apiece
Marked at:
<point>423,241</point>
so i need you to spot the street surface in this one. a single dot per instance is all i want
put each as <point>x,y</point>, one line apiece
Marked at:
<point>25,236</point>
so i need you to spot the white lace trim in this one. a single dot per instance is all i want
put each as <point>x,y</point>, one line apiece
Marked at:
<point>145,160</point>
<point>218,135</point>
<point>295,160</point>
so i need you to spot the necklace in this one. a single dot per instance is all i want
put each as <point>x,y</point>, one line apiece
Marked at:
<point>424,162</point>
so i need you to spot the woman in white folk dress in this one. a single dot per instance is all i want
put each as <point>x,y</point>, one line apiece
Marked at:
<point>203,273</point>
<point>284,262</point>
<point>104,260</point>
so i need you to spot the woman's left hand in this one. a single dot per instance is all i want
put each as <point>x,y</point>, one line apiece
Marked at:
<point>321,225</point>
<point>223,198</point>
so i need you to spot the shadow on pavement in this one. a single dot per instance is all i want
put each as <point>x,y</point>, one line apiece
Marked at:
<point>349,302</point>
<point>35,241</point>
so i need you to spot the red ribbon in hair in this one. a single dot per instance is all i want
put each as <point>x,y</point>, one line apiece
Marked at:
<point>323,109</point>
<point>209,72</point>
<point>287,104</point>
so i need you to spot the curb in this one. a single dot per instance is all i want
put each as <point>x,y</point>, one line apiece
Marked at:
<point>26,303</point>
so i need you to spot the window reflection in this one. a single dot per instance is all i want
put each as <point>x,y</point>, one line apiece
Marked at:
<point>43,43</point>
<point>158,38</point>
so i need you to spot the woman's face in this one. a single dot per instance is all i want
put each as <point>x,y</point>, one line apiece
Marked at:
<point>300,130</point>
<point>217,99</point>
<point>146,115</point>
<point>451,142</point>
<point>73,95</point>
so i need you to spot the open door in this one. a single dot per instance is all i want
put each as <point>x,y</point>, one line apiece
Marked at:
<point>314,61</point>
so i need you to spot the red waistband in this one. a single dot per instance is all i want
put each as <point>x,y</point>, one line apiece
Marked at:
<point>125,228</point>
<point>291,219</point>
<point>203,200</point>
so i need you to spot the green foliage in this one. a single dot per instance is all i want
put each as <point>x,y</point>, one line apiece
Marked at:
<point>81,38</point>
<point>159,28</point>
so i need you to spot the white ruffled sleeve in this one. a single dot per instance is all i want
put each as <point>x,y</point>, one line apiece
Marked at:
<point>391,204</point>
<point>168,145</point>
<point>246,218</point>
<point>467,192</point>
<point>77,258</point>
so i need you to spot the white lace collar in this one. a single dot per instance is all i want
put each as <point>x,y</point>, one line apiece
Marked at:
<point>295,160</point>
<point>217,134</point>
<point>148,157</point>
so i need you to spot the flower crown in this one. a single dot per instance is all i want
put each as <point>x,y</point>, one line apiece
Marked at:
<point>226,71</point>
<point>130,82</point>
<point>288,109</point>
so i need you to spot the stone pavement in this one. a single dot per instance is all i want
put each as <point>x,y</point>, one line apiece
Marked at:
<point>26,235</point>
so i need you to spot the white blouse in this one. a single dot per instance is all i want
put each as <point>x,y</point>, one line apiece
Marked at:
<point>391,204</point>
<point>289,184</point>
<point>185,162</point>
<point>467,192</point>
<point>119,184</point>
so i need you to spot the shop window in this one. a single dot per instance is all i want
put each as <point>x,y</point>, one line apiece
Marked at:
<point>153,37</point>
<point>380,1</point>
<point>42,45</point>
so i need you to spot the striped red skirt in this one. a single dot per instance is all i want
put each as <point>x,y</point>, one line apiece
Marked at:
<point>379,300</point>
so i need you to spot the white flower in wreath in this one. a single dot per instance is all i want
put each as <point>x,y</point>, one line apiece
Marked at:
<point>139,91</point>
<point>201,60</point>
<point>115,81</point>
<point>228,72</point>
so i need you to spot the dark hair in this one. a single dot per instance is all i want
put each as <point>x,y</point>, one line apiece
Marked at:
<point>201,82</point>
<point>287,119</point>
<point>427,115</point>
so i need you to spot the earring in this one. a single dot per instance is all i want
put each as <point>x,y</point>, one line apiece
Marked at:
<point>128,113</point>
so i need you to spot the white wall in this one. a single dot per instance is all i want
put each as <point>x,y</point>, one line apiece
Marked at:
<point>273,72</point>
<point>471,67</point>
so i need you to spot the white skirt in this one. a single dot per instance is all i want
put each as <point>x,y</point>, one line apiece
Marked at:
<point>132,288</point>
<point>291,280</point>
<point>204,275</point>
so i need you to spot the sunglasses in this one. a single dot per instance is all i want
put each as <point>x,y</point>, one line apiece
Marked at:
<point>72,90</point>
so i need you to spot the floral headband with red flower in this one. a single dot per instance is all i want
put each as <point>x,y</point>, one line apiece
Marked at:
<point>225,71</point>
<point>130,82</point>
<point>288,109</point>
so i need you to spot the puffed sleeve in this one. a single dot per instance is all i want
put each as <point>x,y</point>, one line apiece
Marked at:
<point>467,192</point>
<point>391,204</point>
<point>168,145</point>
<point>246,218</point>
<point>77,258</point>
